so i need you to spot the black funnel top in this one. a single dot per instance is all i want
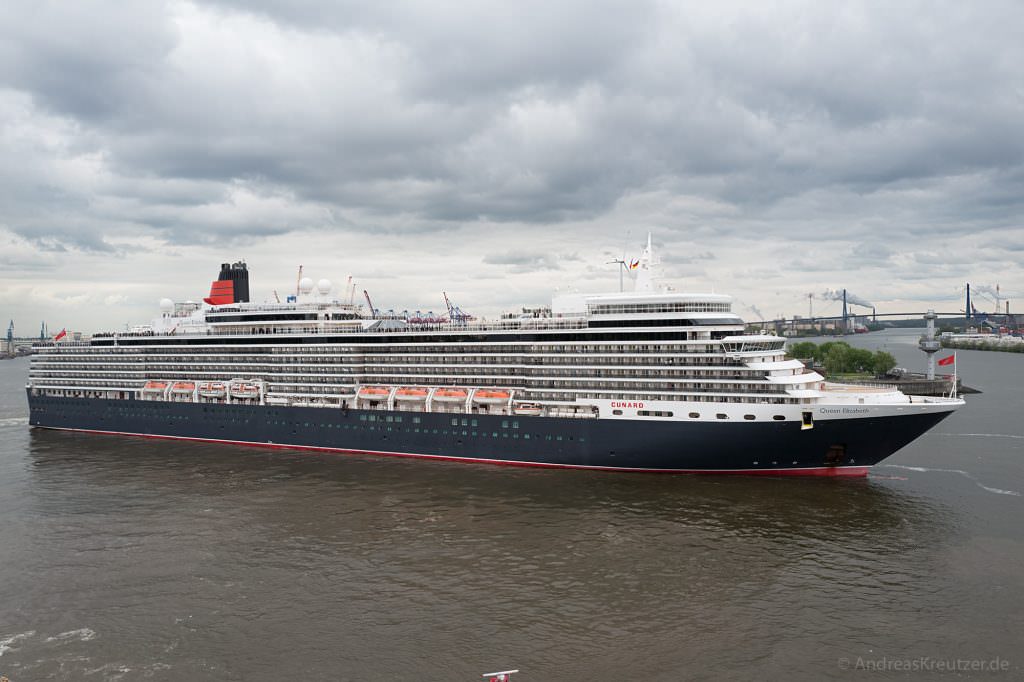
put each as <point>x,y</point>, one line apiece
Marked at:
<point>239,275</point>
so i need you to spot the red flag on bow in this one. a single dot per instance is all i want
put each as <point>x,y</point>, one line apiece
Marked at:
<point>948,360</point>
<point>61,335</point>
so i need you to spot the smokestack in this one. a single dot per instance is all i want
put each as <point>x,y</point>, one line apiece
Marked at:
<point>231,286</point>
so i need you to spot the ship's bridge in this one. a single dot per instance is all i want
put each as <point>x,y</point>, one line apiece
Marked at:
<point>753,345</point>
<point>631,309</point>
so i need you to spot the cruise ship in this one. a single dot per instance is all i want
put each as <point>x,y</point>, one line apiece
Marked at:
<point>648,380</point>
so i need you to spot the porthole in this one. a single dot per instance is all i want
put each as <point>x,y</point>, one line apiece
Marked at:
<point>749,417</point>
<point>779,418</point>
<point>695,415</point>
<point>721,415</point>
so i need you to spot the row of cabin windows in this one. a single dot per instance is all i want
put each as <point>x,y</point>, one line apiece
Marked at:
<point>379,426</point>
<point>693,415</point>
<point>677,307</point>
<point>140,411</point>
<point>327,354</point>
<point>348,365</point>
<point>452,356</point>
<point>768,397</point>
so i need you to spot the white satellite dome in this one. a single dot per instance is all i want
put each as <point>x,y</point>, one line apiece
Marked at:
<point>323,287</point>
<point>305,285</point>
<point>166,305</point>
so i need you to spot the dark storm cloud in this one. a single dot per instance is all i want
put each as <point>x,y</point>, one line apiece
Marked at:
<point>527,113</point>
<point>868,130</point>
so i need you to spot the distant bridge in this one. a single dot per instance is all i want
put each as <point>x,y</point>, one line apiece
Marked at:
<point>821,318</point>
<point>976,318</point>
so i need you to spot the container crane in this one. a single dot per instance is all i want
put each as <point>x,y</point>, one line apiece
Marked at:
<point>455,313</point>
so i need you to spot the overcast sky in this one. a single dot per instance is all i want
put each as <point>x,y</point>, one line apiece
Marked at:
<point>500,151</point>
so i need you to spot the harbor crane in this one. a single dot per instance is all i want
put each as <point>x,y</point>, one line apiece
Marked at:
<point>350,289</point>
<point>455,313</point>
<point>373,311</point>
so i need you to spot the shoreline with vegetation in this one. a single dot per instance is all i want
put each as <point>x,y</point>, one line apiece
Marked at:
<point>839,357</point>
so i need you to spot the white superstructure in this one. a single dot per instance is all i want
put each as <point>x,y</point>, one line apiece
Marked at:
<point>645,354</point>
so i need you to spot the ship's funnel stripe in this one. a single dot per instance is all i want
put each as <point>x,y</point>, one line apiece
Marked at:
<point>222,291</point>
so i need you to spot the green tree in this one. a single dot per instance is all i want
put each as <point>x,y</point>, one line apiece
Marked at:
<point>861,360</point>
<point>883,362</point>
<point>837,358</point>
<point>823,350</point>
<point>803,350</point>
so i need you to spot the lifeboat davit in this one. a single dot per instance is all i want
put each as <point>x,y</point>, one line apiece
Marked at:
<point>212,389</point>
<point>244,390</point>
<point>451,395</point>
<point>374,393</point>
<point>489,396</point>
<point>528,409</point>
<point>155,387</point>
<point>183,387</point>
<point>411,394</point>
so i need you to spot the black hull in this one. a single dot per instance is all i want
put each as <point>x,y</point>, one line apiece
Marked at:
<point>671,446</point>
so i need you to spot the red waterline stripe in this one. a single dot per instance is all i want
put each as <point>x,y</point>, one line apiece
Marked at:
<point>836,471</point>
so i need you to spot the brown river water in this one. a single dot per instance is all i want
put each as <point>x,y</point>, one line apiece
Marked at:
<point>137,559</point>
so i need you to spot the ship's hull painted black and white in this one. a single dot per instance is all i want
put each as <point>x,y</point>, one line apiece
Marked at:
<point>650,380</point>
<point>762,447</point>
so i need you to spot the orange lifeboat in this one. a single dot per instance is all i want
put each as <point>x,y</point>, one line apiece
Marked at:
<point>374,393</point>
<point>411,394</point>
<point>244,390</point>
<point>489,396</point>
<point>451,395</point>
<point>183,387</point>
<point>528,409</point>
<point>212,389</point>
<point>155,387</point>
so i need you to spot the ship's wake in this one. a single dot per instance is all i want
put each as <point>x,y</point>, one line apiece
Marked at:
<point>80,635</point>
<point>998,491</point>
<point>14,421</point>
<point>983,435</point>
<point>7,643</point>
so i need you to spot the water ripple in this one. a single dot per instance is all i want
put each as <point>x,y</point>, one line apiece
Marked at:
<point>960,472</point>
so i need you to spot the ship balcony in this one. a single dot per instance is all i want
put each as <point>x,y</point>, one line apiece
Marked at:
<point>795,379</point>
